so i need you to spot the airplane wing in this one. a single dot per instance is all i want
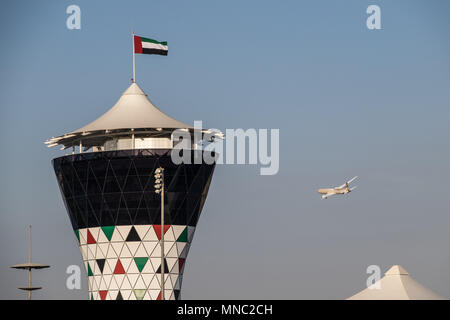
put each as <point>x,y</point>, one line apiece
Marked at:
<point>327,195</point>
<point>352,179</point>
<point>348,182</point>
<point>353,188</point>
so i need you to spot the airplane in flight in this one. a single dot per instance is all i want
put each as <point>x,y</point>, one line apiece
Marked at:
<point>344,189</point>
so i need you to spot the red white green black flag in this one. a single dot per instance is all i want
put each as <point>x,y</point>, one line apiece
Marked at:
<point>150,46</point>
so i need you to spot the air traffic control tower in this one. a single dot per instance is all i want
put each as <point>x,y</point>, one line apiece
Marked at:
<point>107,184</point>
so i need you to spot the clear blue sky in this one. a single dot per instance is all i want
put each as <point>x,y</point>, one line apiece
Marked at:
<point>348,101</point>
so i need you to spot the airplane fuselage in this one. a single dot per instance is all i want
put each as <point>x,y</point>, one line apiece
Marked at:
<point>333,191</point>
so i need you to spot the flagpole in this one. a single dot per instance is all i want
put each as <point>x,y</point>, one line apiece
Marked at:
<point>134,70</point>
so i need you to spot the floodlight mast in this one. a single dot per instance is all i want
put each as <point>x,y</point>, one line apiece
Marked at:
<point>29,266</point>
<point>159,189</point>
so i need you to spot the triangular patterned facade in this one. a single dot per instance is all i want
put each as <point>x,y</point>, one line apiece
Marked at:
<point>116,217</point>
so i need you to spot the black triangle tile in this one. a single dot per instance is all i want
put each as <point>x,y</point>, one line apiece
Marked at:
<point>133,235</point>
<point>101,264</point>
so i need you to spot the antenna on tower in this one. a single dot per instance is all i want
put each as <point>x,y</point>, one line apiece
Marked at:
<point>29,266</point>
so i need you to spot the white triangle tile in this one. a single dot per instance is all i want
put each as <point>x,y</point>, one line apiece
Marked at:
<point>95,295</point>
<point>96,282</point>
<point>133,246</point>
<point>113,283</point>
<point>168,284</point>
<point>133,268</point>
<point>175,268</point>
<point>126,262</point>
<point>150,235</point>
<point>83,236</point>
<point>173,278</point>
<point>132,278</point>
<point>102,250</point>
<point>142,230</point>
<point>147,296</point>
<point>169,236</point>
<point>111,262</point>
<point>172,250</point>
<point>91,251</point>
<point>141,252</point>
<point>111,252</point>
<point>124,231</point>
<point>154,294</point>
<point>171,262</point>
<point>119,279</point>
<point>126,294</point>
<point>156,251</point>
<point>180,247</point>
<point>107,269</point>
<point>140,284</point>
<point>148,268</point>
<point>116,236</point>
<point>147,279</point>
<point>149,247</point>
<point>126,283</point>
<point>154,284</point>
<point>167,246</point>
<point>169,294</point>
<point>117,247</point>
<point>83,249</point>
<point>126,253</point>
<point>107,278</point>
<point>101,237</point>
<point>132,296</point>
<point>113,294</point>
<point>103,285</point>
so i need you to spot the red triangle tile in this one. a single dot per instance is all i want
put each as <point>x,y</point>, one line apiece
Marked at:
<point>90,238</point>
<point>181,263</point>
<point>119,268</point>
<point>159,296</point>
<point>157,228</point>
<point>103,294</point>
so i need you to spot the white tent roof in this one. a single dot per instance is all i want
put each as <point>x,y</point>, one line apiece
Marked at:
<point>396,285</point>
<point>133,110</point>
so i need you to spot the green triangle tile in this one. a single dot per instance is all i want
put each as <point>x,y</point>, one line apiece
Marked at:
<point>92,296</point>
<point>139,293</point>
<point>183,236</point>
<point>90,273</point>
<point>108,231</point>
<point>77,234</point>
<point>140,263</point>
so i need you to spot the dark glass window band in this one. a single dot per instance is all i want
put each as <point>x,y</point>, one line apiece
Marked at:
<point>117,188</point>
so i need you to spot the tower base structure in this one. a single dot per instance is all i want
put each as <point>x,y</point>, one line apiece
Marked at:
<point>115,214</point>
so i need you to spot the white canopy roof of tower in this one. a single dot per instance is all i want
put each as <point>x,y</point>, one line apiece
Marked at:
<point>133,113</point>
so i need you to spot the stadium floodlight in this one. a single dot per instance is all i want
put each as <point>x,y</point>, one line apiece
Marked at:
<point>159,189</point>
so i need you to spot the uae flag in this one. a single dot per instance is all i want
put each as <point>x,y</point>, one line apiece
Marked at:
<point>150,46</point>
